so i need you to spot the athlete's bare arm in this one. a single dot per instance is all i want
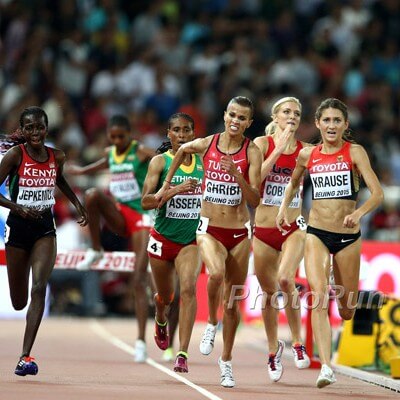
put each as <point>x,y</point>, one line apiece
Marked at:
<point>9,164</point>
<point>198,146</point>
<point>156,166</point>
<point>91,168</point>
<point>361,161</point>
<point>293,187</point>
<point>65,188</point>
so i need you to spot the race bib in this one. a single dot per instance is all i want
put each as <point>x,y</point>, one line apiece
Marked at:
<point>274,193</point>
<point>154,246</point>
<point>125,186</point>
<point>203,225</point>
<point>225,193</point>
<point>184,207</point>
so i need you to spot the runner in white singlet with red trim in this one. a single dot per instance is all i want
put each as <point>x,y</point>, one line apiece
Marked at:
<point>232,165</point>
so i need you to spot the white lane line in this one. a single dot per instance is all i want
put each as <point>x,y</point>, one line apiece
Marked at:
<point>378,380</point>
<point>104,334</point>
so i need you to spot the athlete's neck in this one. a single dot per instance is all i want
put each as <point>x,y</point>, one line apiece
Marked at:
<point>331,148</point>
<point>230,144</point>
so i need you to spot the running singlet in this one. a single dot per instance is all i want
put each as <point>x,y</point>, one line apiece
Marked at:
<point>332,175</point>
<point>34,182</point>
<point>219,186</point>
<point>127,176</point>
<point>178,218</point>
<point>273,186</point>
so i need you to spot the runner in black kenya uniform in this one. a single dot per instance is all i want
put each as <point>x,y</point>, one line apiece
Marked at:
<point>30,235</point>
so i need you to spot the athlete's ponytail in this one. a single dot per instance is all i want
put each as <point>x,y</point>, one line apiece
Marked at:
<point>13,139</point>
<point>165,146</point>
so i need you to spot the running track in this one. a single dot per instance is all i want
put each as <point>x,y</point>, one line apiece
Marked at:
<point>87,359</point>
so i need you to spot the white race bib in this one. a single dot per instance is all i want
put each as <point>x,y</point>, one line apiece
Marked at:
<point>225,193</point>
<point>124,186</point>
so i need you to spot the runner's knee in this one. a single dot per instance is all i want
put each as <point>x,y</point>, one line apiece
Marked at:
<point>38,290</point>
<point>91,196</point>
<point>231,307</point>
<point>165,300</point>
<point>19,304</point>
<point>188,292</point>
<point>217,278</point>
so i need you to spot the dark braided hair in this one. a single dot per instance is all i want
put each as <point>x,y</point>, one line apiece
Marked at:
<point>166,145</point>
<point>16,137</point>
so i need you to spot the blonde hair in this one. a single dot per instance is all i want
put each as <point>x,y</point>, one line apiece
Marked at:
<point>271,127</point>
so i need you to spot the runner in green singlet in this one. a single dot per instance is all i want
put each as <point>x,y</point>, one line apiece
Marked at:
<point>172,244</point>
<point>127,161</point>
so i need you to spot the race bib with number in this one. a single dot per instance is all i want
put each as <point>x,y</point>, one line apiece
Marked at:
<point>154,246</point>
<point>124,186</point>
<point>225,193</point>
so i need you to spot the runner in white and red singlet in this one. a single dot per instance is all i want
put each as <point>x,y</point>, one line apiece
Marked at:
<point>232,165</point>
<point>277,255</point>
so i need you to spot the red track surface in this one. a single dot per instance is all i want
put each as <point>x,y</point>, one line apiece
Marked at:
<point>92,359</point>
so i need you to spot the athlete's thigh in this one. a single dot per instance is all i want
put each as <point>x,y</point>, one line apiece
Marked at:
<point>108,209</point>
<point>237,263</point>
<point>139,240</point>
<point>43,257</point>
<point>266,260</point>
<point>188,265</point>
<point>346,270</point>
<point>316,257</point>
<point>18,268</point>
<point>163,275</point>
<point>212,252</point>
<point>292,253</point>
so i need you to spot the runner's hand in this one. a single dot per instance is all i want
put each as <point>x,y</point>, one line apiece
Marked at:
<point>228,165</point>
<point>188,186</point>
<point>281,220</point>
<point>284,140</point>
<point>161,195</point>
<point>83,218</point>
<point>351,220</point>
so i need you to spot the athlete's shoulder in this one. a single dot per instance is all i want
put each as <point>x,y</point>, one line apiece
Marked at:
<point>158,162</point>
<point>262,142</point>
<point>304,154</point>
<point>306,151</point>
<point>59,154</point>
<point>305,144</point>
<point>253,145</point>
<point>356,147</point>
<point>357,150</point>
<point>13,155</point>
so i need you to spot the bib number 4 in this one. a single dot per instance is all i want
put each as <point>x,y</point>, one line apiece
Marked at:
<point>154,246</point>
